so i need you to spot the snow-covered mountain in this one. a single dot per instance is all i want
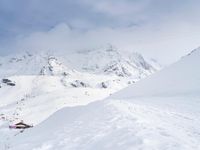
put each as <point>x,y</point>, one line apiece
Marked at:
<point>105,61</point>
<point>32,64</point>
<point>34,74</point>
<point>109,60</point>
<point>35,85</point>
<point>160,112</point>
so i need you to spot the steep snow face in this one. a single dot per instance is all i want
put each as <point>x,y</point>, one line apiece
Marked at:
<point>107,61</point>
<point>55,67</point>
<point>158,113</point>
<point>180,78</point>
<point>32,64</point>
<point>110,61</point>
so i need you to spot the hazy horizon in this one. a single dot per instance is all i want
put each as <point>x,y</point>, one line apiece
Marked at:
<point>165,30</point>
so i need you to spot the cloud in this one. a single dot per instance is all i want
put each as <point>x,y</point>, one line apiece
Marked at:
<point>167,43</point>
<point>118,8</point>
<point>24,16</point>
<point>157,28</point>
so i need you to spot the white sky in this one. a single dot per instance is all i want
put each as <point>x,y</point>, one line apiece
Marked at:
<point>162,29</point>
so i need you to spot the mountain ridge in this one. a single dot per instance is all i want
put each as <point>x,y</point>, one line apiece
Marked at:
<point>98,61</point>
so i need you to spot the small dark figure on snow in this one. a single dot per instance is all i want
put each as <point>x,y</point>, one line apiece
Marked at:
<point>20,125</point>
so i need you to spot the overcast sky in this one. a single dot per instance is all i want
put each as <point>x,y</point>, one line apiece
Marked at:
<point>163,29</point>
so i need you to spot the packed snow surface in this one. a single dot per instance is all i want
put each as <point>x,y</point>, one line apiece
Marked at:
<point>118,124</point>
<point>160,112</point>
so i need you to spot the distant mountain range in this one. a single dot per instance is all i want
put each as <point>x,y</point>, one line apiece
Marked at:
<point>106,61</point>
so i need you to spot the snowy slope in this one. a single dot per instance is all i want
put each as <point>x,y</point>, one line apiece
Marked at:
<point>46,73</point>
<point>182,78</point>
<point>39,84</point>
<point>38,76</point>
<point>108,60</point>
<point>32,64</point>
<point>116,124</point>
<point>35,94</point>
<point>165,116</point>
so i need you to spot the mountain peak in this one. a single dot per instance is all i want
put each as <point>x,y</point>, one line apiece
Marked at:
<point>106,60</point>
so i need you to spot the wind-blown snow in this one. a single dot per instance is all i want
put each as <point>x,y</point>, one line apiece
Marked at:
<point>158,113</point>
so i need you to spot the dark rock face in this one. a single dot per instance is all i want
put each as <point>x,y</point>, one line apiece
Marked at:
<point>104,85</point>
<point>78,83</point>
<point>65,74</point>
<point>11,84</point>
<point>131,82</point>
<point>117,69</point>
<point>8,82</point>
